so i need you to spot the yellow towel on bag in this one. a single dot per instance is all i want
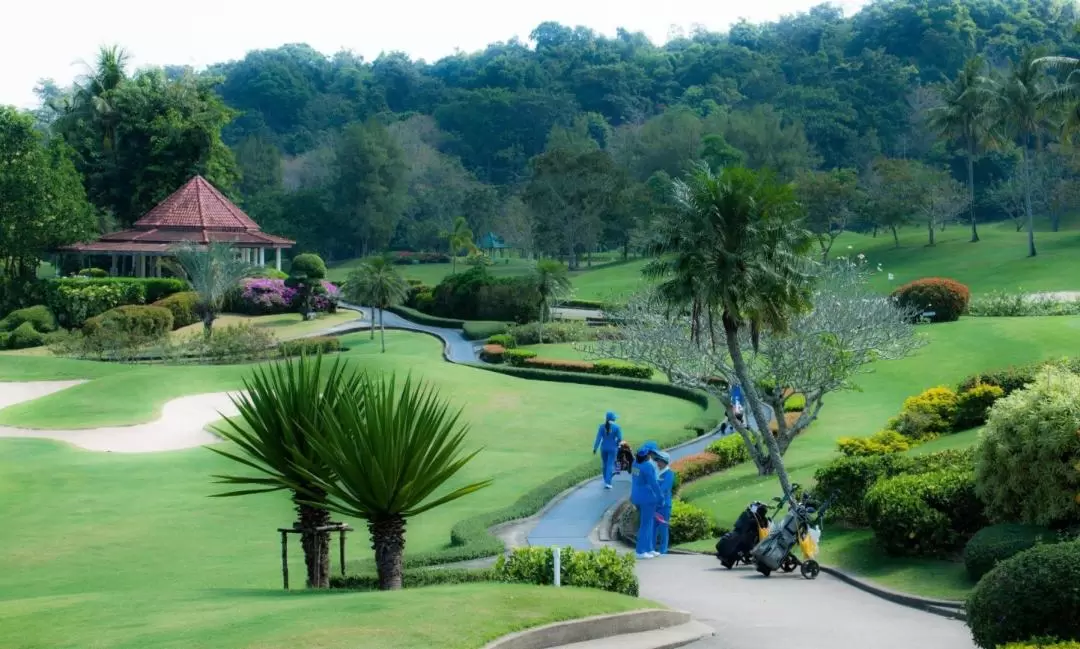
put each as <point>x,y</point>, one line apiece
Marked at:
<point>762,533</point>
<point>808,546</point>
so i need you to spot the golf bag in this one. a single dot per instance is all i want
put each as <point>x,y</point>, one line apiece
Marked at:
<point>735,546</point>
<point>771,552</point>
<point>624,458</point>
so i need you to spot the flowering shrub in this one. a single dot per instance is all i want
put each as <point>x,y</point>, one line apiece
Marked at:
<point>946,298</point>
<point>261,296</point>
<point>880,443</point>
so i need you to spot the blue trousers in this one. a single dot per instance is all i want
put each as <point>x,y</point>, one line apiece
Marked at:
<point>607,461</point>
<point>646,534</point>
<point>663,531</point>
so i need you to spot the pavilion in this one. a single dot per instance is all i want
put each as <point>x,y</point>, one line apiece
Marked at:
<point>197,213</point>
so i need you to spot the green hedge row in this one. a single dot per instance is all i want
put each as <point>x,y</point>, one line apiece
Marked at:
<point>482,329</point>
<point>417,578</point>
<point>412,315</point>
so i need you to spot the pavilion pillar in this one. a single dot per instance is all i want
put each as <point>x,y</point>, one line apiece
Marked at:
<point>277,258</point>
<point>113,270</point>
<point>262,256</point>
<point>141,270</point>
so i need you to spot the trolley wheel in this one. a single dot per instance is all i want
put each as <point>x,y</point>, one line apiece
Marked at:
<point>789,563</point>
<point>763,570</point>
<point>727,563</point>
<point>810,569</point>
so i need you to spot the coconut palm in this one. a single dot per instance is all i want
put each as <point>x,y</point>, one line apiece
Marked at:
<point>377,283</point>
<point>1065,95</point>
<point>387,457</point>
<point>92,93</point>
<point>552,282</point>
<point>1019,109</point>
<point>213,270</point>
<point>734,250</point>
<point>964,118</point>
<point>280,406</point>
<point>461,236</point>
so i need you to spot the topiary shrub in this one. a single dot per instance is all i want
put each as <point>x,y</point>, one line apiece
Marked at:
<point>25,337</point>
<point>880,443</point>
<point>505,340</point>
<point>310,265</point>
<point>845,481</point>
<point>1033,594</point>
<point>973,405</point>
<point>929,514</point>
<point>517,357</point>
<point>182,307</point>
<point>928,414</point>
<point>603,569</point>
<point>145,323</point>
<point>1026,465</point>
<point>946,298</point>
<point>311,346</point>
<point>492,353</point>
<point>38,316</point>
<point>688,523</point>
<point>992,545</point>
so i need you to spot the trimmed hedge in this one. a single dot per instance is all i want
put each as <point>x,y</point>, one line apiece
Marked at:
<point>692,467</point>
<point>688,523</point>
<point>846,480</point>
<point>517,357</point>
<point>482,330</point>
<point>559,332</point>
<point>182,306</point>
<point>1033,594</point>
<point>418,578</point>
<point>25,337</point>
<point>412,315</point>
<point>39,317</point>
<point>731,450</point>
<point>623,368</point>
<point>492,353</point>
<point>604,569</point>
<point>929,514</point>
<point>606,368</point>
<point>994,544</point>
<point>136,320</point>
<point>74,299</point>
<point>311,346</point>
<point>505,340</point>
<point>947,298</point>
<point>880,443</point>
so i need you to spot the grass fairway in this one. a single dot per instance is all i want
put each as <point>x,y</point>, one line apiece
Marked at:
<point>284,325</point>
<point>955,351</point>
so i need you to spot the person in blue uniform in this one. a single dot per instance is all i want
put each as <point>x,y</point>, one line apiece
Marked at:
<point>645,495</point>
<point>667,483</point>
<point>608,436</point>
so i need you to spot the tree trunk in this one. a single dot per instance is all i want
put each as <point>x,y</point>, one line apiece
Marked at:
<point>208,323</point>
<point>388,541</point>
<point>540,329</point>
<point>930,229</point>
<point>971,195</point>
<point>895,236</point>
<point>316,545</point>
<point>731,334</point>
<point>1027,203</point>
<point>382,330</point>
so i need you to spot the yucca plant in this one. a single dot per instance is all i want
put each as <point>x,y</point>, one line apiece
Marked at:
<point>213,271</point>
<point>387,457</point>
<point>282,406</point>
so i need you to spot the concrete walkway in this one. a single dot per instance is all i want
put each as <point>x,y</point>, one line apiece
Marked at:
<point>458,349</point>
<point>749,611</point>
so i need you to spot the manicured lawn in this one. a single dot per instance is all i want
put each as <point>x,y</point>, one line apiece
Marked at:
<point>432,274</point>
<point>609,283</point>
<point>955,351</point>
<point>283,326</point>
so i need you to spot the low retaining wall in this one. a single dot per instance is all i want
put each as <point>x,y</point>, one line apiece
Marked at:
<point>591,628</point>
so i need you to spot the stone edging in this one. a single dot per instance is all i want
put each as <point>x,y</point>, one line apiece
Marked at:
<point>945,608</point>
<point>591,628</point>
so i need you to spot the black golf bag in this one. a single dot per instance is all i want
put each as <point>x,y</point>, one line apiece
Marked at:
<point>736,545</point>
<point>624,458</point>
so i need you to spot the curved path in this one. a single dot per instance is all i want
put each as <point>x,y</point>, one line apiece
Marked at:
<point>458,349</point>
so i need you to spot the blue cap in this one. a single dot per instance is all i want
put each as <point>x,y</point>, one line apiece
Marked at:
<point>663,456</point>
<point>648,447</point>
<point>610,416</point>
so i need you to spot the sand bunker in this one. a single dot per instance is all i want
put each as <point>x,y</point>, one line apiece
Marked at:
<point>182,423</point>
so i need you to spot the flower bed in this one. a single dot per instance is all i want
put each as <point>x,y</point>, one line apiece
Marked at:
<point>262,296</point>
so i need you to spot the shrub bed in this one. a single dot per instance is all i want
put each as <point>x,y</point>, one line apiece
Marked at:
<point>39,317</point>
<point>413,315</point>
<point>688,523</point>
<point>505,340</point>
<point>418,578</point>
<point>311,346</point>
<point>603,569</point>
<point>482,330</point>
<point>946,298</point>
<point>263,296</point>
<point>845,481</point>
<point>973,405</point>
<point>141,322</point>
<point>928,514</point>
<point>559,332</point>
<point>880,443</point>
<point>74,299</point>
<point>927,415</point>
<point>492,353</point>
<point>994,544</point>
<point>517,357</point>
<point>623,368</point>
<point>24,337</point>
<point>692,467</point>
<point>605,368</point>
<point>182,307</point>
<point>731,450</point>
<point>1010,305</point>
<point>1026,465</point>
<point>405,257</point>
<point>476,295</point>
<point>1033,594</point>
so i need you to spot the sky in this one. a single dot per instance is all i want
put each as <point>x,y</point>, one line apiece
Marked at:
<point>57,38</point>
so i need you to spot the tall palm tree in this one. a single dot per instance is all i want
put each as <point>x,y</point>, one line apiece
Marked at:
<point>461,236</point>
<point>552,282</point>
<point>280,406</point>
<point>964,117</point>
<point>213,271</point>
<point>377,283</point>
<point>92,96</point>
<point>1019,110</point>
<point>734,250</point>
<point>1065,95</point>
<point>387,457</point>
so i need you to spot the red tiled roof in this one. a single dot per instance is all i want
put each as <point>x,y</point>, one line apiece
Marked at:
<point>197,205</point>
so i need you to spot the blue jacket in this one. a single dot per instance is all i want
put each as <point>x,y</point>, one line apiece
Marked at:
<point>644,485</point>
<point>607,441</point>
<point>667,484</point>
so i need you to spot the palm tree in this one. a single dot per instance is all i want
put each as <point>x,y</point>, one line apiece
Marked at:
<point>387,457</point>
<point>552,282</point>
<point>461,236</point>
<point>735,250</point>
<point>1019,110</point>
<point>964,118</point>
<point>376,282</point>
<point>1065,95</point>
<point>279,407</point>
<point>92,93</point>
<point>213,271</point>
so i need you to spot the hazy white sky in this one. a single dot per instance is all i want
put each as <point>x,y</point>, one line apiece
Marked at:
<point>52,39</point>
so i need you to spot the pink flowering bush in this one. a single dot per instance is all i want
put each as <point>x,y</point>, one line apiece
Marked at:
<point>262,296</point>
